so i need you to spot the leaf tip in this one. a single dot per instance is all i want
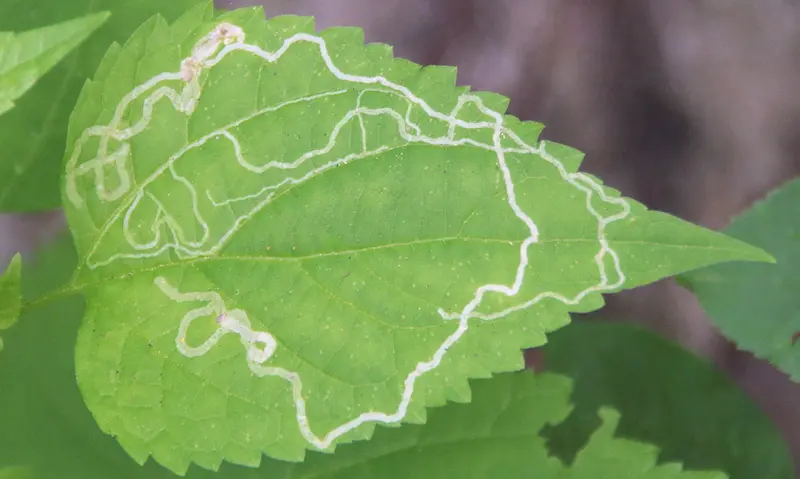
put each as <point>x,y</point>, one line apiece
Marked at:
<point>100,17</point>
<point>90,23</point>
<point>10,293</point>
<point>754,254</point>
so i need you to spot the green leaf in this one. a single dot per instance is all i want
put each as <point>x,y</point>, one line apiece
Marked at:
<point>756,306</point>
<point>10,295</point>
<point>286,238</point>
<point>14,473</point>
<point>25,57</point>
<point>605,457</point>
<point>33,133</point>
<point>667,396</point>
<point>497,433</point>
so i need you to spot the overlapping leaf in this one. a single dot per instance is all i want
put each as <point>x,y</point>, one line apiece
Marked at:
<point>32,134</point>
<point>286,237</point>
<point>26,56</point>
<point>605,457</point>
<point>667,396</point>
<point>757,306</point>
<point>10,295</point>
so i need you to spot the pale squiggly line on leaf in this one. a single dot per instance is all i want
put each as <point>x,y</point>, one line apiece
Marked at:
<point>261,345</point>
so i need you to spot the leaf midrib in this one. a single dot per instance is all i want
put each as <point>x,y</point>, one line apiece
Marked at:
<point>74,287</point>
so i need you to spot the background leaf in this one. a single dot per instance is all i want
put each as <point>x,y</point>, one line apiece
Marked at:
<point>33,133</point>
<point>758,306</point>
<point>26,56</point>
<point>260,282</point>
<point>10,295</point>
<point>606,457</point>
<point>667,396</point>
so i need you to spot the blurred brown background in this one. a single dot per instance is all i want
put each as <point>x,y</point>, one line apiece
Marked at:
<point>687,106</point>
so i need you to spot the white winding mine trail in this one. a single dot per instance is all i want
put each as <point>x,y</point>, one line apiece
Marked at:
<point>225,40</point>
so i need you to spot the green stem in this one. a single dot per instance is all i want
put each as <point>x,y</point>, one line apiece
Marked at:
<point>61,292</point>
